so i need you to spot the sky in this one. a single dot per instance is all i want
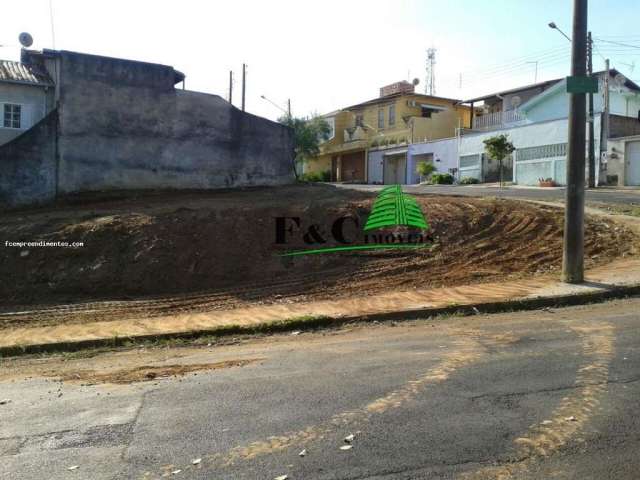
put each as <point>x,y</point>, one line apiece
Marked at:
<point>328,54</point>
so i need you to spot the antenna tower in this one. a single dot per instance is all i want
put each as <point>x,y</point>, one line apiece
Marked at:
<point>430,83</point>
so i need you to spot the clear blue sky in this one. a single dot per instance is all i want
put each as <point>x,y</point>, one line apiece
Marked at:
<point>327,54</point>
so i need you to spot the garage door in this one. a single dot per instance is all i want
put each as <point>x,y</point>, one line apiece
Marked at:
<point>632,163</point>
<point>353,167</point>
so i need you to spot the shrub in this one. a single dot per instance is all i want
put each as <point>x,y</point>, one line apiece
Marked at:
<point>442,178</point>
<point>316,177</point>
<point>469,181</point>
<point>425,169</point>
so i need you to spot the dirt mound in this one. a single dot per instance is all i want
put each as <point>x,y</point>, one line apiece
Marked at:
<point>218,250</point>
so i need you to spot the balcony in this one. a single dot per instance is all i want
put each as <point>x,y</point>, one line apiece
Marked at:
<point>497,120</point>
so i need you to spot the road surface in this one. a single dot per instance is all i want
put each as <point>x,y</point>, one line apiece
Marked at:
<point>547,394</point>
<point>622,197</point>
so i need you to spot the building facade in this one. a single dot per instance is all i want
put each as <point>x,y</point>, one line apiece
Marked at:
<point>120,124</point>
<point>535,119</point>
<point>370,141</point>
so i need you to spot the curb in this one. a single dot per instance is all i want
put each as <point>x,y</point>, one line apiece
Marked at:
<point>308,323</point>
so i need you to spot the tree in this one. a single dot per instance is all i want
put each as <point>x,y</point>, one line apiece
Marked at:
<point>425,169</point>
<point>308,134</point>
<point>498,148</point>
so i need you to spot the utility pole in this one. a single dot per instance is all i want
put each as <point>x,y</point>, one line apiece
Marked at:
<point>244,83</point>
<point>231,86</point>
<point>573,244</point>
<point>289,107</point>
<point>592,143</point>
<point>605,123</point>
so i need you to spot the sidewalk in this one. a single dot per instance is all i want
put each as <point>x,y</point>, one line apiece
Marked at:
<point>618,278</point>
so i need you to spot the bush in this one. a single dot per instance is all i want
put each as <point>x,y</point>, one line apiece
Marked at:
<point>469,181</point>
<point>442,178</point>
<point>425,169</point>
<point>316,176</point>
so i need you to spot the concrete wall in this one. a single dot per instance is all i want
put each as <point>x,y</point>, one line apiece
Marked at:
<point>532,135</point>
<point>623,126</point>
<point>36,102</point>
<point>28,165</point>
<point>124,126</point>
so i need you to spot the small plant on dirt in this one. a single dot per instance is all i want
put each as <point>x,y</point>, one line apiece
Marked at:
<point>425,170</point>
<point>442,179</point>
<point>469,181</point>
<point>498,148</point>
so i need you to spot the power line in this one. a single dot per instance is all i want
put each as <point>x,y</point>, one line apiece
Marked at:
<point>518,60</point>
<point>619,43</point>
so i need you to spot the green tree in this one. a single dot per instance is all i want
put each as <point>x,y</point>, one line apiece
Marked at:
<point>308,134</point>
<point>498,148</point>
<point>425,169</point>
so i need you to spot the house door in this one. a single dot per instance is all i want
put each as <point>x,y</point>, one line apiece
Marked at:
<point>395,169</point>
<point>632,164</point>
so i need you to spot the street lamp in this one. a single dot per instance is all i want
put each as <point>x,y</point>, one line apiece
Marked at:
<point>287,112</point>
<point>555,27</point>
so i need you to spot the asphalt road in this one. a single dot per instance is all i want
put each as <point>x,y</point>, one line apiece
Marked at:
<point>547,394</point>
<point>624,197</point>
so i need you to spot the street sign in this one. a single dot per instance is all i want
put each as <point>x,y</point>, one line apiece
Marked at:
<point>579,84</point>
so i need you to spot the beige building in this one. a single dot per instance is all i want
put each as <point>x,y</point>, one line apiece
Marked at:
<point>398,117</point>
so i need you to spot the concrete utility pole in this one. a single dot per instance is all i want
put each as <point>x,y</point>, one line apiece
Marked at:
<point>573,245</point>
<point>231,86</point>
<point>244,83</point>
<point>289,107</point>
<point>605,126</point>
<point>592,142</point>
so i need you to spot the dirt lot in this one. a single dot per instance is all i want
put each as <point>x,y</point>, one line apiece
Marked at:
<point>160,253</point>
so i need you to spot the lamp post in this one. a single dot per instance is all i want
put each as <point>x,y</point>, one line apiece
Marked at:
<point>286,112</point>
<point>573,244</point>
<point>555,27</point>
<point>591,152</point>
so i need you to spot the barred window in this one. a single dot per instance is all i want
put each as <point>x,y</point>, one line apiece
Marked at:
<point>469,161</point>
<point>12,115</point>
<point>542,151</point>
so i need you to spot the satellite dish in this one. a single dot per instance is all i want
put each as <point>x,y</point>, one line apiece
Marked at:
<point>516,101</point>
<point>416,81</point>
<point>25,39</point>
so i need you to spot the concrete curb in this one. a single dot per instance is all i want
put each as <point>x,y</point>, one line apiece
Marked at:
<point>307,323</point>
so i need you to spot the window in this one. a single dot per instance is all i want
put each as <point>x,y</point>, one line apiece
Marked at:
<point>392,115</point>
<point>381,118</point>
<point>359,120</point>
<point>12,114</point>
<point>542,151</point>
<point>426,112</point>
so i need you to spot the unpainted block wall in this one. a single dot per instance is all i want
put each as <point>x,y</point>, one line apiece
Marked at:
<point>28,165</point>
<point>123,125</point>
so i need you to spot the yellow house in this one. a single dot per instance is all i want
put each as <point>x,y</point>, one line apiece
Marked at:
<point>398,117</point>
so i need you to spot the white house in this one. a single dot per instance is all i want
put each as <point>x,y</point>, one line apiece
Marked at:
<point>26,96</point>
<point>535,118</point>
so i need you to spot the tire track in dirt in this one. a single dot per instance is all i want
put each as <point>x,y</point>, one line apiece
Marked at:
<point>196,269</point>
